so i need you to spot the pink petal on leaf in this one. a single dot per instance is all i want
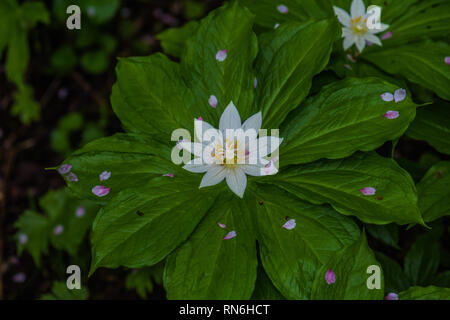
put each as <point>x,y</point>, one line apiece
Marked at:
<point>290,224</point>
<point>212,101</point>
<point>349,67</point>
<point>72,177</point>
<point>391,114</point>
<point>80,211</point>
<point>221,55</point>
<point>200,118</point>
<point>399,95</point>
<point>387,96</point>
<point>19,277</point>
<point>368,191</point>
<point>230,235</point>
<point>105,175</point>
<point>282,8</point>
<point>23,238</point>
<point>447,60</point>
<point>58,230</point>
<point>330,276</point>
<point>100,191</point>
<point>223,226</point>
<point>387,35</point>
<point>171,175</point>
<point>65,168</point>
<point>391,296</point>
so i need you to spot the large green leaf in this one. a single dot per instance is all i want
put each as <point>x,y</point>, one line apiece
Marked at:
<point>429,18</point>
<point>132,160</point>
<point>61,292</point>
<point>264,288</point>
<point>421,63</point>
<point>434,192</point>
<point>350,266</point>
<point>422,260</point>
<point>292,257</point>
<point>344,117</point>
<point>140,226</point>
<point>208,267</point>
<point>268,14</point>
<point>227,28</point>
<point>339,183</point>
<point>425,293</point>
<point>388,234</point>
<point>173,41</point>
<point>289,57</point>
<point>432,124</point>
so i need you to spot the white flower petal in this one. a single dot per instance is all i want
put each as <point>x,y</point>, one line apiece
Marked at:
<point>213,176</point>
<point>192,166</point>
<point>254,122</point>
<point>237,181</point>
<point>360,44</point>
<point>373,38</point>
<point>192,147</point>
<point>357,9</point>
<point>348,42</point>
<point>383,27</point>
<point>200,128</point>
<point>347,32</point>
<point>342,16</point>
<point>253,169</point>
<point>230,118</point>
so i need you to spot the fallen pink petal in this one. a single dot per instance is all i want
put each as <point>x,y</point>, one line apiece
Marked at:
<point>72,177</point>
<point>330,276</point>
<point>221,55</point>
<point>105,175</point>
<point>391,114</point>
<point>282,8</point>
<point>350,57</point>
<point>399,95</point>
<point>447,60</point>
<point>100,191</point>
<point>391,296</point>
<point>23,238</point>
<point>230,235</point>
<point>387,35</point>
<point>80,211</point>
<point>387,96</point>
<point>368,191</point>
<point>171,175</point>
<point>223,226</point>
<point>19,277</point>
<point>212,101</point>
<point>58,230</point>
<point>200,118</point>
<point>290,224</point>
<point>65,168</point>
<point>349,67</point>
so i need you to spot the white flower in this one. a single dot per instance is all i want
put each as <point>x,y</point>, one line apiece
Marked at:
<point>241,153</point>
<point>357,29</point>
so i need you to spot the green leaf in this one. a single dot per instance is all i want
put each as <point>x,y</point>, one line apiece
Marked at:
<point>292,257</point>
<point>442,279</point>
<point>421,63</point>
<point>432,124</point>
<point>388,234</point>
<point>264,288</point>
<point>344,117</point>
<point>208,267</point>
<point>391,10</point>
<point>338,182</point>
<point>425,293</point>
<point>60,292</point>
<point>422,260</point>
<point>140,226</point>
<point>227,28</point>
<point>350,266</point>
<point>395,280</point>
<point>35,227</point>
<point>34,12</point>
<point>95,62</point>
<point>149,95</point>
<point>25,106</point>
<point>17,57</point>
<point>288,59</point>
<point>142,279</point>
<point>434,191</point>
<point>132,160</point>
<point>423,20</point>
<point>267,14</point>
<point>173,41</point>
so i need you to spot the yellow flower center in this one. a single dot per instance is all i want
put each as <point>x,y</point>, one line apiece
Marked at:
<point>231,155</point>
<point>359,26</point>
